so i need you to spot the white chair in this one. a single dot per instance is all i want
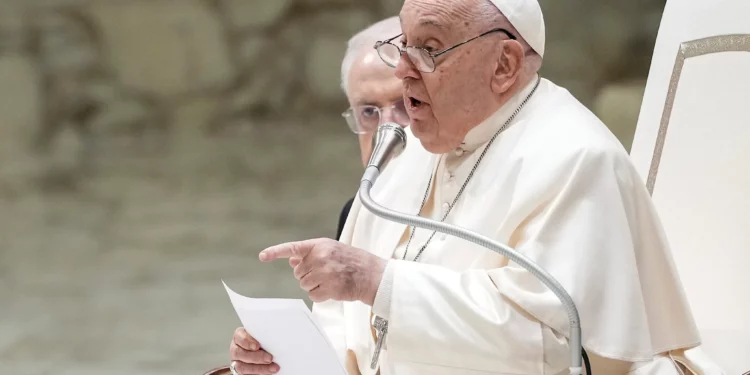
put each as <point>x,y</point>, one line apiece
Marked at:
<point>692,147</point>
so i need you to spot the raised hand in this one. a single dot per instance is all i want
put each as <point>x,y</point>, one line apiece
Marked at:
<point>328,269</point>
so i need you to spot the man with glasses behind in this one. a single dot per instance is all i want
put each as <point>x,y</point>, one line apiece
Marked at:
<point>374,93</point>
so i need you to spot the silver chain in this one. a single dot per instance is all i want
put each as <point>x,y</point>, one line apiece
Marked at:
<point>468,178</point>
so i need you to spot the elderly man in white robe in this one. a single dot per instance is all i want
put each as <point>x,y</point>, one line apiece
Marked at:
<point>496,149</point>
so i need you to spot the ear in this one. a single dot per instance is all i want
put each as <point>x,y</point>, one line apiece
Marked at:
<point>508,66</point>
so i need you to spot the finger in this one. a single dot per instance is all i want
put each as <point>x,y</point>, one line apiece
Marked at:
<point>244,340</point>
<point>318,295</point>
<point>251,357</point>
<point>302,269</point>
<point>311,281</point>
<point>298,249</point>
<point>294,261</point>
<point>254,369</point>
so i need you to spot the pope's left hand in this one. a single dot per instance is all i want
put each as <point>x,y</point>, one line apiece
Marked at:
<point>329,269</point>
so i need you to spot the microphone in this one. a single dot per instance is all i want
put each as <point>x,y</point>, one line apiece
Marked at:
<point>391,138</point>
<point>390,141</point>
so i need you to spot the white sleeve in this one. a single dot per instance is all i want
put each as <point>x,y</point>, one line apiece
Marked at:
<point>382,305</point>
<point>460,319</point>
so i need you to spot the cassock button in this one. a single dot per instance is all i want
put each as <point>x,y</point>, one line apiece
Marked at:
<point>448,177</point>
<point>459,151</point>
<point>446,206</point>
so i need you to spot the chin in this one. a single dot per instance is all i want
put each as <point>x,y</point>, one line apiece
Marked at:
<point>432,142</point>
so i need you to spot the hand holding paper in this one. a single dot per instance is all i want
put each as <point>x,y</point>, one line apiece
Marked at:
<point>286,330</point>
<point>246,352</point>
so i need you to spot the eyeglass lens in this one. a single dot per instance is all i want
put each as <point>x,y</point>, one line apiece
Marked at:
<point>390,54</point>
<point>368,117</point>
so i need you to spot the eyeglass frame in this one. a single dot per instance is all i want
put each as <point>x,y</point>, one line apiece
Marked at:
<point>350,113</point>
<point>433,55</point>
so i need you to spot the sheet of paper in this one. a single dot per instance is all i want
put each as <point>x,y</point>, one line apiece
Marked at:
<point>286,329</point>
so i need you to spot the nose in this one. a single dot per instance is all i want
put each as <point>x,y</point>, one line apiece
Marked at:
<point>405,68</point>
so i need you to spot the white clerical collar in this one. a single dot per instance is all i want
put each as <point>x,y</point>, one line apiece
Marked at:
<point>482,133</point>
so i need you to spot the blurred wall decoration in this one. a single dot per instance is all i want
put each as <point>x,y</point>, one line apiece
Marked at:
<point>150,148</point>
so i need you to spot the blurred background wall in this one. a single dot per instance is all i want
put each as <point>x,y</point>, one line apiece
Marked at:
<point>150,148</point>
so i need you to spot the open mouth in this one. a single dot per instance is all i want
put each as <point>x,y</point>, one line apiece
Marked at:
<point>414,102</point>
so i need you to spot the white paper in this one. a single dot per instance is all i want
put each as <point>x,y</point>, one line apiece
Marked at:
<point>286,329</point>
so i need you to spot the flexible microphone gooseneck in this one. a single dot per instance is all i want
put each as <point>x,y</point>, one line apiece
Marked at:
<point>390,141</point>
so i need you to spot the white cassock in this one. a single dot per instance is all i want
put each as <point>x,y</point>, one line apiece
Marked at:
<point>556,186</point>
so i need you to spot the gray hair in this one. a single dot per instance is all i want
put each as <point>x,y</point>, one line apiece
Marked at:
<point>365,40</point>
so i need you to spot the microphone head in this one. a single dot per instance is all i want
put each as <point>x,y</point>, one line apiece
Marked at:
<point>390,141</point>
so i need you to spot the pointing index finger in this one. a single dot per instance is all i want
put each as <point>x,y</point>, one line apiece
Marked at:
<point>298,249</point>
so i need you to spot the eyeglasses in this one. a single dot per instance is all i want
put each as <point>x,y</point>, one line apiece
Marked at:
<point>364,119</point>
<point>422,59</point>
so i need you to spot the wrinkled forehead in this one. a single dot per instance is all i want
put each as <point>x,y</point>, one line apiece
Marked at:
<point>437,16</point>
